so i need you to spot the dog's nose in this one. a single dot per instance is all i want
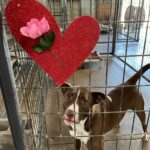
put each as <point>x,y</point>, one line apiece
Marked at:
<point>70,113</point>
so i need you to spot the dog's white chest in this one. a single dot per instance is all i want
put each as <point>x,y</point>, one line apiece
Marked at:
<point>79,132</point>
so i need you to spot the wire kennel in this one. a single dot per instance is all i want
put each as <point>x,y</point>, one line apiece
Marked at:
<point>123,47</point>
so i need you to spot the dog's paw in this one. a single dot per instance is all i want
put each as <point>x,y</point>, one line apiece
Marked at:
<point>145,137</point>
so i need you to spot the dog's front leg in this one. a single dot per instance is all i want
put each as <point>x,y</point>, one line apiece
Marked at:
<point>95,143</point>
<point>77,144</point>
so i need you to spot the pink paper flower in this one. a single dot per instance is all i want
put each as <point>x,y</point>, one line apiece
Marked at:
<point>35,28</point>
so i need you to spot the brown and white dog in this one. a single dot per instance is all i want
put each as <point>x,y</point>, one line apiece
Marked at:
<point>80,107</point>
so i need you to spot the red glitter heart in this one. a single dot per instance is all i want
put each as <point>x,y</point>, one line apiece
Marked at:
<point>68,51</point>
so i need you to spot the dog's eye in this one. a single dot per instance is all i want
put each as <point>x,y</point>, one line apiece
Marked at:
<point>83,99</point>
<point>71,96</point>
<point>74,95</point>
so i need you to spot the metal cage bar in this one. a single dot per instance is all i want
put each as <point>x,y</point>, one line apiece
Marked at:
<point>9,91</point>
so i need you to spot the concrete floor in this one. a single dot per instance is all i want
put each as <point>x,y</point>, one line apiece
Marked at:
<point>117,139</point>
<point>135,52</point>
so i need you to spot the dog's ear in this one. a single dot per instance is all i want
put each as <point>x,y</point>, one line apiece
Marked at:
<point>97,97</point>
<point>65,87</point>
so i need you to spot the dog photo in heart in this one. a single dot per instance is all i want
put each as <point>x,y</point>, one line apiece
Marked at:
<point>37,32</point>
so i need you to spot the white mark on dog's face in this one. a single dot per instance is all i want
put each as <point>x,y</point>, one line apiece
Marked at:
<point>76,105</point>
<point>71,115</point>
<point>74,109</point>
